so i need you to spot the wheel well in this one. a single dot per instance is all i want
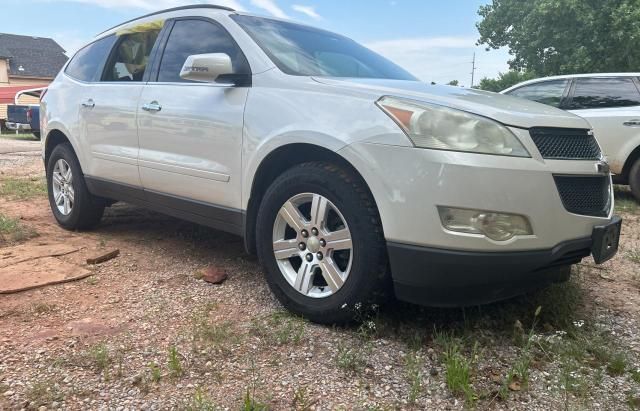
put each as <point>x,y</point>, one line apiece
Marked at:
<point>635,155</point>
<point>55,137</point>
<point>273,166</point>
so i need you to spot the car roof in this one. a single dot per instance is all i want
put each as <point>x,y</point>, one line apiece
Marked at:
<point>156,13</point>
<point>571,76</point>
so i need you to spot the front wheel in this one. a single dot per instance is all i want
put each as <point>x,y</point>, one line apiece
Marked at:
<point>634,179</point>
<point>320,241</point>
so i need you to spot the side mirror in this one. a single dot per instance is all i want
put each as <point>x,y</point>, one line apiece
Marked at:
<point>206,68</point>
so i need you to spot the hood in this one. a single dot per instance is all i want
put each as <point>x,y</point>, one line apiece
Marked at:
<point>507,110</point>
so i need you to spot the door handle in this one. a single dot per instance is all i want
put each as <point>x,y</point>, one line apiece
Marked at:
<point>153,106</point>
<point>632,123</point>
<point>89,104</point>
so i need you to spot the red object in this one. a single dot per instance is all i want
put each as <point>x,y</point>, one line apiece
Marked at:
<point>8,94</point>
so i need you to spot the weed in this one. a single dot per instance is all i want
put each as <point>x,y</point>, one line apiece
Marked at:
<point>23,188</point>
<point>43,393</point>
<point>634,256</point>
<point>458,368</point>
<point>156,373</point>
<point>250,401</point>
<point>43,308</point>
<point>280,328</point>
<point>13,230</point>
<point>92,280</point>
<point>414,375</point>
<point>201,402</point>
<point>625,202</point>
<point>352,358</point>
<point>617,364</point>
<point>99,357</point>
<point>301,400</point>
<point>174,364</point>
<point>635,375</point>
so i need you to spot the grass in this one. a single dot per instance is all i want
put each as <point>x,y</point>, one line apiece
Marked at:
<point>280,328</point>
<point>625,202</point>
<point>173,362</point>
<point>43,308</point>
<point>634,256</point>
<point>201,402</point>
<point>352,358</point>
<point>23,188</point>
<point>43,393</point>
<point>100,357</point>
<point>413,373</point>
<point>458,367</point>
<point>12,230</point>
<point>19,136</point>
<point>209,334</point>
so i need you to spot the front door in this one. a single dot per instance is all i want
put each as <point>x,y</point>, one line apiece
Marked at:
<point>191,133</point>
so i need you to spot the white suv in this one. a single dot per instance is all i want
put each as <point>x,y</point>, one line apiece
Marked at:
<point>351,179</point>
<point>609,102</point>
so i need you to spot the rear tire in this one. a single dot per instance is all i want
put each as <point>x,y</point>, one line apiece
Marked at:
<point>364,279</point>
<point>634,179</point>
<point>73,207</point>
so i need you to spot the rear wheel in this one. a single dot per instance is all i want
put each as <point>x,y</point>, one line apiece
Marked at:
<point>320,241</point>
<point>634,179</point>
<point>72,205</point>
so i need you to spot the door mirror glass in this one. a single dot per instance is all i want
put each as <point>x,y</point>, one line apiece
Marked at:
<point>206,68</point>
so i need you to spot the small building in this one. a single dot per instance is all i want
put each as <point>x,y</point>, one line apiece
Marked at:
<point>26,62</point>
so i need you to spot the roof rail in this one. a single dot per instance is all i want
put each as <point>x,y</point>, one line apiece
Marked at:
<point>191,6</point>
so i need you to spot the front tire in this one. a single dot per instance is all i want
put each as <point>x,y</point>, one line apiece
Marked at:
<point>320,241</point>
<point>634,179</point>
<point>74,208</point>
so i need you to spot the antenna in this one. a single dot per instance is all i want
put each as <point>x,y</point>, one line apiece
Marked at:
<point>473,69</point>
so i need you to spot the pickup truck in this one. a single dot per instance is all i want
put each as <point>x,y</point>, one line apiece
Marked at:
<point>25,117</point>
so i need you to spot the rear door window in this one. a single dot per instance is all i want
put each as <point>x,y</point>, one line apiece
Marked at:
<point>604,93</point>
<point>130,57</point>
<point>86,63</point>
<point>190,37</point>
<point>548,92</point>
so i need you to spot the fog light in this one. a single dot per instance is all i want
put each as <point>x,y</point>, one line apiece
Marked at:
<point>496,226</point>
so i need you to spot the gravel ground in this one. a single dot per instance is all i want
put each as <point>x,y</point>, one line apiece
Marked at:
<point>146,332</point>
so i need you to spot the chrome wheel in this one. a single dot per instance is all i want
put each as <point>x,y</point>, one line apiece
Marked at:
<point>312,245</point>
<point>62,185</point>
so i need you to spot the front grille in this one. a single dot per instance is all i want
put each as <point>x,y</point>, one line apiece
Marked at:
<point>565,143</point>
<point>585,195</point>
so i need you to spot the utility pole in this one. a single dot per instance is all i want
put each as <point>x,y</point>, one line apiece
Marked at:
<point>473,69</point>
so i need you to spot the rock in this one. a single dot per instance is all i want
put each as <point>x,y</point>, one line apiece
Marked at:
<point>214,275</point>
<point>8,393</point>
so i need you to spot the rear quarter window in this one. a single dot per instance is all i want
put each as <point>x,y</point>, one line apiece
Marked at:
<point>604,93</point>
<point>86,63</point>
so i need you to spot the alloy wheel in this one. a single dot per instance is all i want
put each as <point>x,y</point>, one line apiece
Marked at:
<point>62,184</point>
<point>312,245</point>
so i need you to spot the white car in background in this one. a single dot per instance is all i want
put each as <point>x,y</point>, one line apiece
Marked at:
<point>611,104</point>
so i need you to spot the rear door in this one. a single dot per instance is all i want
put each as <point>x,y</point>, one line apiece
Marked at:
<point>191,133</point>
<point>612,107</point>
<point>109,106</point>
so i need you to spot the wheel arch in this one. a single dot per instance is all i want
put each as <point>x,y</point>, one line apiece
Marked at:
<point>54,138</point>
<point>633,157</point>
<point>277,162</point>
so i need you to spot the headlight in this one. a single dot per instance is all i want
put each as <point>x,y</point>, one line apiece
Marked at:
<point>496,226</point>
<point>441,128</point>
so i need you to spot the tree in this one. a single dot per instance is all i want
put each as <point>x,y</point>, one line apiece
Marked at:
<point>505,80</point>
<point>453,83</point>
<point>551,37</point>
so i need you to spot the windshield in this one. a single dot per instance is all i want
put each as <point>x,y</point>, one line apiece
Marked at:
<point>304,51</point>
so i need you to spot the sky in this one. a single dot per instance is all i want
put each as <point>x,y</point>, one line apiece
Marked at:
<point>435,40</point>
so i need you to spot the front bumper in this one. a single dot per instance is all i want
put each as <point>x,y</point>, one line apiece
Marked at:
<point>446,278</point>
